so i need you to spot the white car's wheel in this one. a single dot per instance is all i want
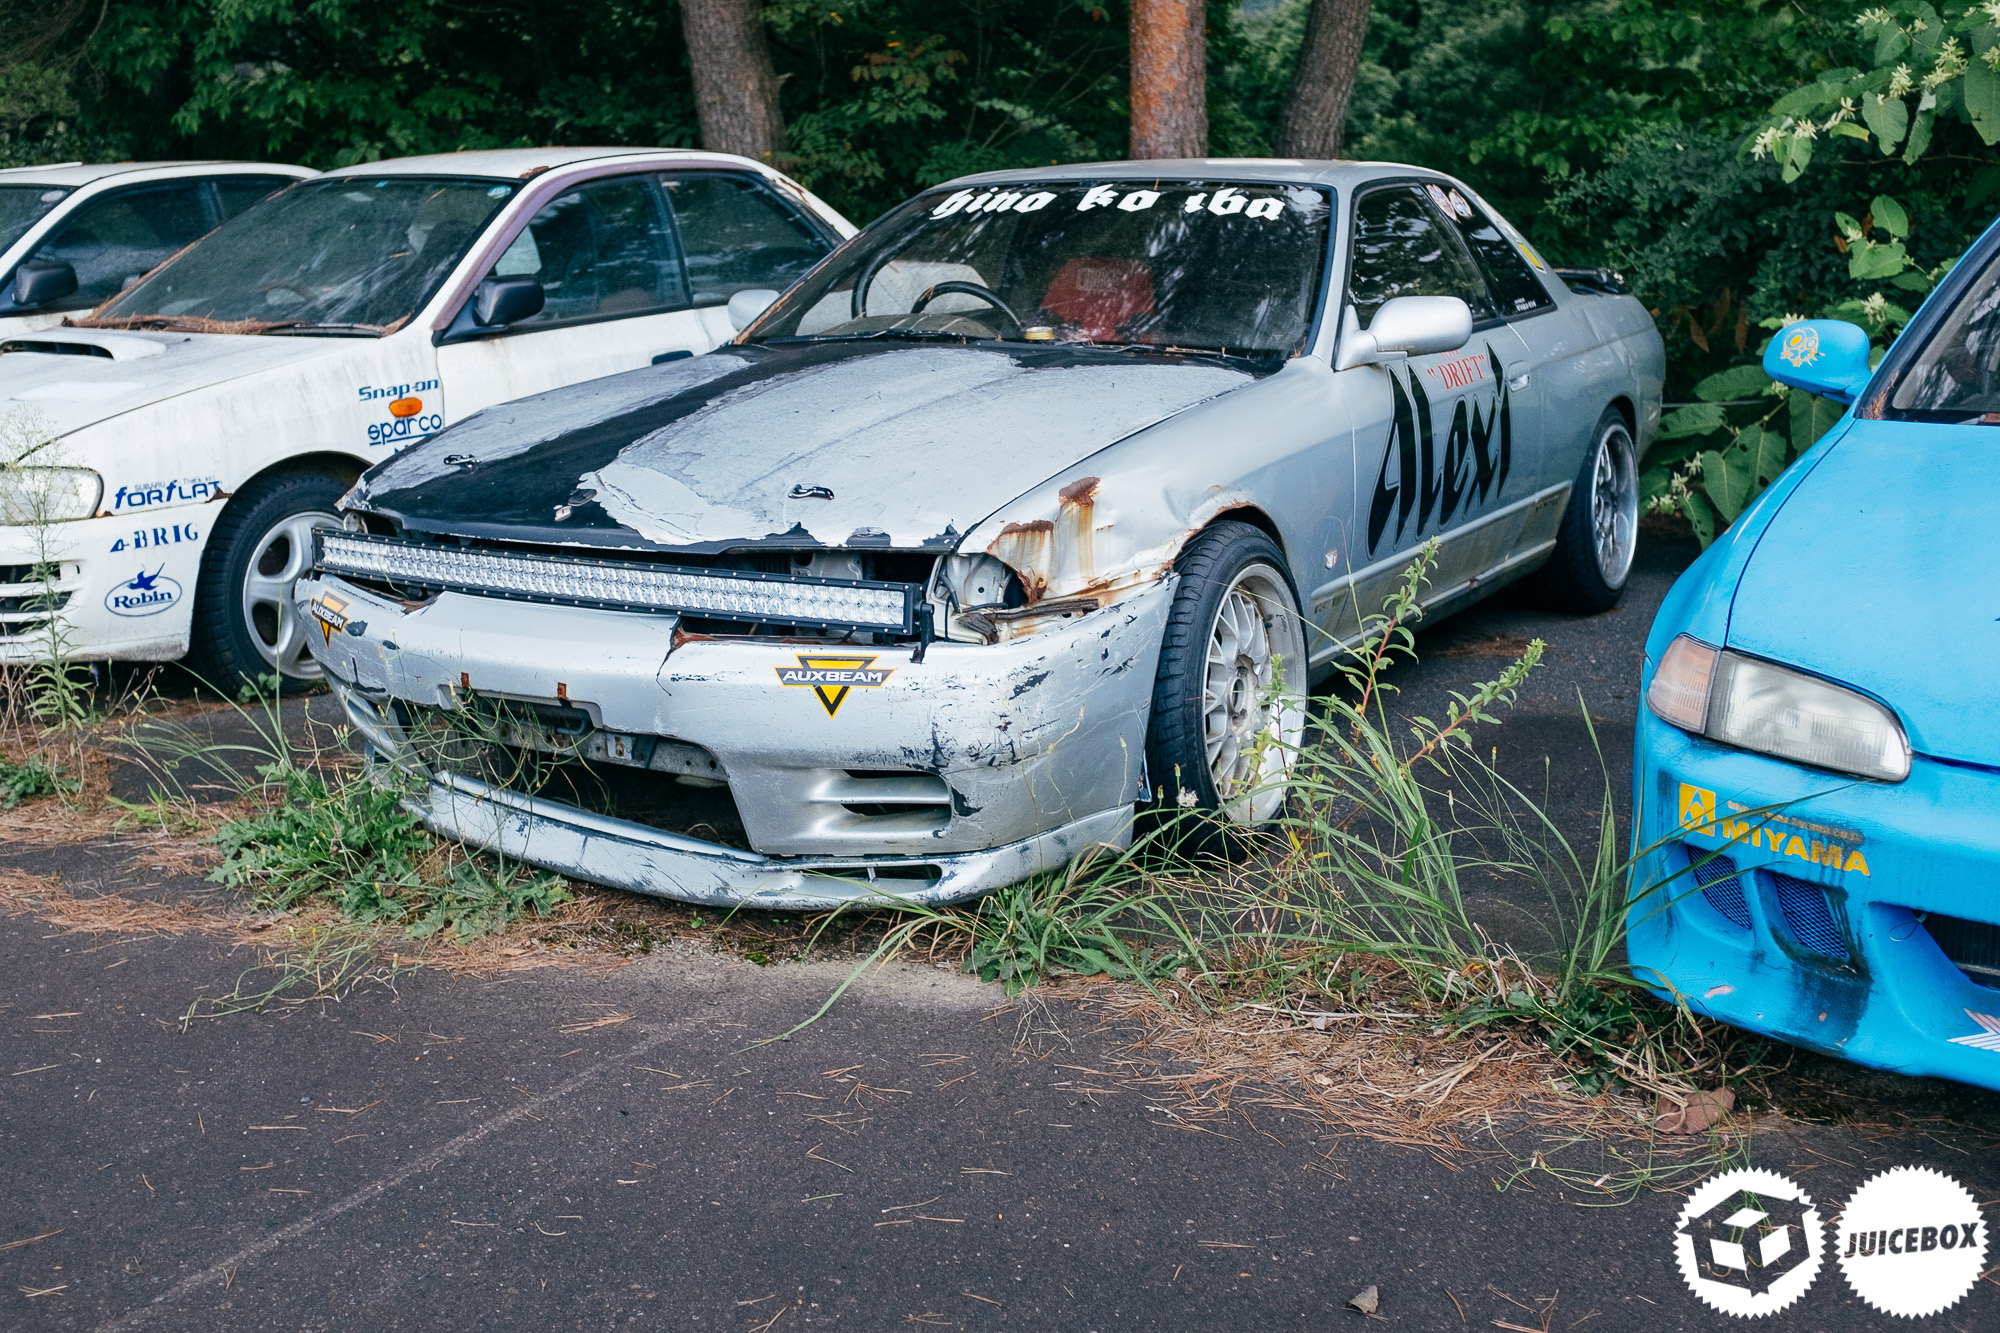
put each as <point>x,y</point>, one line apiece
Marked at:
<point>1229,699</point>
<point>244,623</point>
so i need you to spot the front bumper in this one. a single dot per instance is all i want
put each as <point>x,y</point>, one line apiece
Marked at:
<point>1851,917</point>
<point>124,586</point>
<point>1034,748</point>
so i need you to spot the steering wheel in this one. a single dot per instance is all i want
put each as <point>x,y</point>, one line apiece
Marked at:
<point>985,294</point>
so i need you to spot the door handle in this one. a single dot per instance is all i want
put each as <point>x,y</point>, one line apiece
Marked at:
<point>680,355</point>
<point>1518,383</point>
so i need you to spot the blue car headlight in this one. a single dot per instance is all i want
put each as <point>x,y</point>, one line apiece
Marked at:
<point>1761,706</point>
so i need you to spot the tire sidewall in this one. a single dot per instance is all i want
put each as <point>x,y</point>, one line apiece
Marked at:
<point>223,650</point>
<point>1208,568</point>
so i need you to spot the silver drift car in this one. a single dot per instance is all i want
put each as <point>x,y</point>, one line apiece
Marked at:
<point>1044,498</point>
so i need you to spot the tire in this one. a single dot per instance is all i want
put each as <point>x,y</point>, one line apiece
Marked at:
<point>1587,571</point>
<point>244,625</point>
<point>1229,700</point>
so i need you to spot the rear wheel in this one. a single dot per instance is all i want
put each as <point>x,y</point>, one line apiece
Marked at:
<point>244,624</point>
<point>1229,699</point>
<point>1600,528</point>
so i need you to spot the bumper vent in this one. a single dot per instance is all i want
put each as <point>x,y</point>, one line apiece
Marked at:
<point>1972,946</point>
<point>1721,886</point>
<point>1811,920</point>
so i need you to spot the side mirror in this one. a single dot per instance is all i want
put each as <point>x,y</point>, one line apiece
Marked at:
<point>39,281</point>
<point>746,305</point>
<point>500,301</point>
<point>1828,357</point>
<point>1404,326</point>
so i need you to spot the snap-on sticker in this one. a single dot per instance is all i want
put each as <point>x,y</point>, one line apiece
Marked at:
<point>414,411</point>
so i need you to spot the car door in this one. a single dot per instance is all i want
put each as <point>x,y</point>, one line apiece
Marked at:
<point>1435,438</point>
<point>615,298</point>
<point>1551,427</point>
<point>117,238</point>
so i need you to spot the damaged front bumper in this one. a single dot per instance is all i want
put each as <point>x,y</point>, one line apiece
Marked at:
<point>858,774</point>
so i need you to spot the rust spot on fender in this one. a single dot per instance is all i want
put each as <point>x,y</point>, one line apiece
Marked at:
<point>1029,550</point>
<point>1082,491</point>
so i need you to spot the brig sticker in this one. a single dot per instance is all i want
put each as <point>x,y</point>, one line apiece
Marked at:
<point>145,595</point>
<point>831,678</point>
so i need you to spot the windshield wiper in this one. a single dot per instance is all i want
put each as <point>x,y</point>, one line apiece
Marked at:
<point>306,328</point>
<point>1169,349</point>
<point>916,335</point>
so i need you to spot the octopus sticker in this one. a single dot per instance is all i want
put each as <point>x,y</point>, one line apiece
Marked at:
<point>1801,346</point>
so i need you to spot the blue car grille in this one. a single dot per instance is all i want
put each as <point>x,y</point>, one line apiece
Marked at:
<point>1809,918</point>
<point>1972,946</point>
<point>1721,885</point>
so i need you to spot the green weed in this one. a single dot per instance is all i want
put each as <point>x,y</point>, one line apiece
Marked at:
<point>34,776</point>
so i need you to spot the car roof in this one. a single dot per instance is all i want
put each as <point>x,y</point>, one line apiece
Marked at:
<point>86,173</point>
<point>1247,169</point>
<point>522,162</point>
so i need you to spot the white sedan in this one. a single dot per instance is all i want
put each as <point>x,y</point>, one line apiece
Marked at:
<point>167,456</point>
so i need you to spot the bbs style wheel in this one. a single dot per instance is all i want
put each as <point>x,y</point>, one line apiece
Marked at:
<point>244,624</point>
<point>1229,699</point>
<point>1599,535</point>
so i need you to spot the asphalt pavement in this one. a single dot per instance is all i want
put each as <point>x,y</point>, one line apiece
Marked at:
<point>568,1149</point>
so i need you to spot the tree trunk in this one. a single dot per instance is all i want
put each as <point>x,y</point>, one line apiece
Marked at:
<point>1315,113</point>
<point>1169,78</point>
<point>735,87</point>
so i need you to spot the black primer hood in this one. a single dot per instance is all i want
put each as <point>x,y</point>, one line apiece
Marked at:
<point>837,443</point>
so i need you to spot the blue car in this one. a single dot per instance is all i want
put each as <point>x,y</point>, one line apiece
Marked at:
<point>1817,783</point>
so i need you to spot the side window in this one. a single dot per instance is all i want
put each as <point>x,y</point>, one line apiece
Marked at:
<point>1402,249</point>
<point>116,239</point>
<point>239,192</point>
<point>1515,288</point>
<point>600,252</point>
<point>737,234</point>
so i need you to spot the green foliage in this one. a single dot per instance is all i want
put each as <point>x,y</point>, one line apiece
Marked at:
<point>351,842</point>
<point>37,775</point>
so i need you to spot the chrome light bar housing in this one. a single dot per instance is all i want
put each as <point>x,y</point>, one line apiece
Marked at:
<point>621,585</point>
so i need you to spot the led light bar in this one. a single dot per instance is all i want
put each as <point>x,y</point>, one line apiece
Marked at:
<point>622,585</point>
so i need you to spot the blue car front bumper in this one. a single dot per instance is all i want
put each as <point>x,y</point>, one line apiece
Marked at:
<point>1857,918</point>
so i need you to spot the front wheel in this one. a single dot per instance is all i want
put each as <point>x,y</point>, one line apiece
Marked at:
<point>244,624</point>
<point>1600,527</point>
<point>1229,699</point>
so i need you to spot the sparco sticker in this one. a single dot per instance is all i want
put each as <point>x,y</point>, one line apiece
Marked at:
<point>1749,1242</point>
<point>1911,1242</point>
<point>145,595</point>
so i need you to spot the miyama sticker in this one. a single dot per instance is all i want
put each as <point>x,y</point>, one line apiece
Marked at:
<point>1801,347</point>
<point>831,678</point>
<point>1748,1242</point>
<point>1782,835</point>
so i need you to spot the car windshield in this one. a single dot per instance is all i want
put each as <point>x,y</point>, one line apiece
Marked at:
<point>1956,375</point>
<point>1214,266</point>
<point>21,206</point>
<point>357,254</point>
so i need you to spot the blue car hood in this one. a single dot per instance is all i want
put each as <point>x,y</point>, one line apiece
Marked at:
<point>1882,571</point>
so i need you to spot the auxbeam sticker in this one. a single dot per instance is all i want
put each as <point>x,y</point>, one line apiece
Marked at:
<point>1749,1242</point>
<point>1911,1242</point>
<point>832,678</point>
<point>145,595</point>
<point>330,610</point>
